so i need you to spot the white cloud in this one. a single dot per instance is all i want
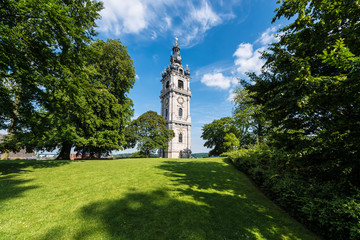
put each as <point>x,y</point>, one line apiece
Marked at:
<point>205,15</point>
<point>268,36</point>
<point>244,50</point>
<point>187,19</point>
<point>126,16</point>
<point>217,80</point>
<point>199,20</point>
<point>248,60</point>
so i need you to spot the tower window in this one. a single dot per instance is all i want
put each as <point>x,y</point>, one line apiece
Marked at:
<point>181,71</point>
<point>180,112</point>
<point>166,113</point>
<point>180,137</point>
<point>167,84</point>
<point>180,84</point>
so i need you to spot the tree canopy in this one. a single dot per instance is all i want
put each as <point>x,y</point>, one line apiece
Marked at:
<point>215,132</point>
<point>40,41</point>
<point>59,88</point>
<point>149,133</point>
<point>309,89</point>
<point>112,75</point>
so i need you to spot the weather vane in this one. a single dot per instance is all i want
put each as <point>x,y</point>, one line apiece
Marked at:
<point>176,39</point>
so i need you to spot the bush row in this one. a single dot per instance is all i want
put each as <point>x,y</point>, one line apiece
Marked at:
<point>330,208</point>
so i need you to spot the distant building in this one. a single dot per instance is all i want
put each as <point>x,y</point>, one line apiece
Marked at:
<point>22,154</point>
<point>175,106</point>
<point>46,156</point>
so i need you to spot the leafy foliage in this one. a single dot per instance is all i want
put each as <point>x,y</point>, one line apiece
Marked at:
<point>310,88</point>
<point>112,75</point>
<point>40,40</point>
<point>330,208</point>
<point>149,133</point>
<point>41,49</point>
<point>308,99</point>
<point>231,142</point>
<point>248,117</point>
<point>215,132</point>
<point>60,89</point>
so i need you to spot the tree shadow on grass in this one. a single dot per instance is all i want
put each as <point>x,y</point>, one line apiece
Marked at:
<point>237,206</point>
<point>209,201</point>
<point>21,166</point>
<point>10,185</point>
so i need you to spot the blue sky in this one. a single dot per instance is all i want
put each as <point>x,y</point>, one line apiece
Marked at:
<point>219,40</point>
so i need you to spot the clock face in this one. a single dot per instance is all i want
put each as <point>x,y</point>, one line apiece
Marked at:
<point>166,101</point>
<point>180,100</point>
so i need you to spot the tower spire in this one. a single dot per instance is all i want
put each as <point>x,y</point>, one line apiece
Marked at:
<point>175,57</point>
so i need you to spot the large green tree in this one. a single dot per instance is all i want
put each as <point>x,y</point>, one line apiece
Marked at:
<point>149,133</point>
<point>310,88</point>
<point>93,115</point>
<point>112,75</point>
<point>41,45</point>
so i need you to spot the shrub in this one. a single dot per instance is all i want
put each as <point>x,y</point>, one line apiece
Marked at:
<point>138,155</point>
<point>330,207</point>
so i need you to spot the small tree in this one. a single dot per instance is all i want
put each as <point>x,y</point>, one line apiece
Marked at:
<point>215,132</point>
<point>248,117</point>
<point>149,132</point>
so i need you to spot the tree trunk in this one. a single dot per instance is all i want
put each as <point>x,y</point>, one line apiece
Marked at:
<point>65,152</point>
<point>5,155</point>
<point>260,133</point>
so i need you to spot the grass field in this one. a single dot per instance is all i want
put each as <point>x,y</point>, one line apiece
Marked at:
<point>137,199</point>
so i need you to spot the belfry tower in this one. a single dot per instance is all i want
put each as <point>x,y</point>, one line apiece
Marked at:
<point>175,106</point>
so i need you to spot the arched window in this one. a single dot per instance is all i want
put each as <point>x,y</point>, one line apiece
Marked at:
<point>167,84</point>
<point>180,137</point>
<point>180,84</point>
<point>180,112</point>
<point>166,113</point>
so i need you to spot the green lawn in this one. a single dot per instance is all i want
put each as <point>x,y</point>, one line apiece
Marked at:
<point>137,199</point>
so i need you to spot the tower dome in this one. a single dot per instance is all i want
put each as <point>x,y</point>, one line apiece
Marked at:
<point>187,71</point>
<point>175,56</point>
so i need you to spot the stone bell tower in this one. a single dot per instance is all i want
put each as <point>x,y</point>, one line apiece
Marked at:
<point>175,106</point>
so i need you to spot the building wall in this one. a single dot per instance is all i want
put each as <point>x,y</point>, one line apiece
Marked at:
<point>172,99</point>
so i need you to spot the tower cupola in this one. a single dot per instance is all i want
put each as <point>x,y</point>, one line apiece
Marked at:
<point>175,56</point>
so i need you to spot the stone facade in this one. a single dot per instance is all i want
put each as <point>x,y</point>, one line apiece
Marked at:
<point>175,106</point>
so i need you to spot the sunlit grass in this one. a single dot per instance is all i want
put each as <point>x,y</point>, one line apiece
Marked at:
<point>136,199</point>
